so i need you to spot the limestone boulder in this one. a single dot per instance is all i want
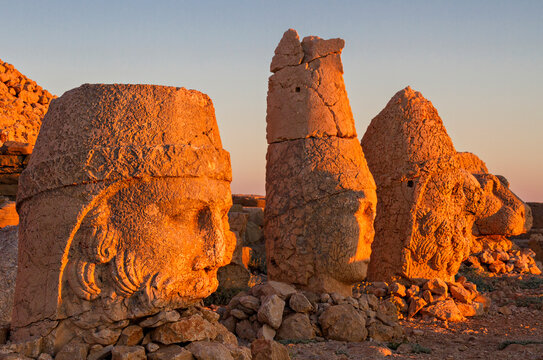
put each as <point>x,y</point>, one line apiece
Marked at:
<point>144,187</point>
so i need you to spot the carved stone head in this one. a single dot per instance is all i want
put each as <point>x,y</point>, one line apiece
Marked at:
<point>123,207</point>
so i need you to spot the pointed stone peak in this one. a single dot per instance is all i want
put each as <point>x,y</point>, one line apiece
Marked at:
<point>407,132</point>
<point>288,52</point>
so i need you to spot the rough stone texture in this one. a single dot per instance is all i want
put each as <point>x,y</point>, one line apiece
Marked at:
<point>444,310</point>
<point>263,349</point>
<point>320,195</point>
<point>73,351</point>
<point>433,201</point>
<point>23,103</point>
<point>8,271</point>
<point>343,323</point>
<point>144,187</point>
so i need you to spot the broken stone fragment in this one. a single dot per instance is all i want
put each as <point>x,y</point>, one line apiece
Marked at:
<point>343,323</point>
<point>271,311</point>
<point>121,352</point>
<point>192,328</point>
<point>170,352</point>
<point>209,350</point>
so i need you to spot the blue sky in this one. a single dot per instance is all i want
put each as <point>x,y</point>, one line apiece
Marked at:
<point>479,62</point>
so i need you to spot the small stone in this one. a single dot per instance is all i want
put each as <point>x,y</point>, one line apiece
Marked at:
<point>337,298</point>
<point>343,323</point>
<point>44,356</point>
<point>192,328</point>
<point>152,347</point>
<point>387,313</point>
<point>161,318</point>
<point>131,335</point>
<point>262,349</point>
<point>122,352</point>
<point>373,301</point>
<point>296,326</point>
<point>363,303</point>
<point>250,302</point>
<point>415,304</point>
<point>170,352</point>
<point>436,286</point>
<point>271,311</point>
<point>458,292</point>
<point>238,314</point>
<point>397,289</point>
<point>299,303</point>
<point>281,289</point>
<point>325,298</point>
<point>266,332</point>
<point>444,310</point>
<point>497,267</point>
<point>206,350</point>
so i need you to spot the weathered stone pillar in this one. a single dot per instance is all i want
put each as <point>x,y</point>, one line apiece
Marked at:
<point>320,195</point>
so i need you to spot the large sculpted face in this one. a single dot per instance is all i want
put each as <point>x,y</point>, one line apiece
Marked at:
<point>160,240</point>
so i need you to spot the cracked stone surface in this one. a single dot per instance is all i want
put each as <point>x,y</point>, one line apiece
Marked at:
<point>320,195</point>
<point>123,209</point>
<point>433,201</point>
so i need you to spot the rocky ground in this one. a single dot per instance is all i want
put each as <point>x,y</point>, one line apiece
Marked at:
<point>512,329</point>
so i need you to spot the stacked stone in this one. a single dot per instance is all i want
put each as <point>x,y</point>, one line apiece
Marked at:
<point>278,311</point>
<point>434,298</point>
<point>175,334</point>
<point>23,103</point>
<point>246,219</point>
<point>505,261</point>
<point>320,195</point>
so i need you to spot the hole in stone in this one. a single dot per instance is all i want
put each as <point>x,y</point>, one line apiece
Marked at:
<point>410,183</point>
<point>297,89</point>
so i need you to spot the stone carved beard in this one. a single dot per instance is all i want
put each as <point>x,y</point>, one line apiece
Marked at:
<point>448,206</point>
<point>147,241</point>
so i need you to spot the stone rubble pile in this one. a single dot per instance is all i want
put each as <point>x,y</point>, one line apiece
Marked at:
<point>277,311</point>
<point>434,298</point>
<point>504,261</point>
<point>177,334</point>
<point>246,219</point>
<point>23,103</point>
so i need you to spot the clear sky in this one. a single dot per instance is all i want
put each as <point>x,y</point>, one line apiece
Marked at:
<point>479,62</point>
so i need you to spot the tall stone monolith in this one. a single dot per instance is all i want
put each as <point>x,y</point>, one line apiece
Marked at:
<point>433,201</point>
<point>320,195</point>
<point>123,210</point>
